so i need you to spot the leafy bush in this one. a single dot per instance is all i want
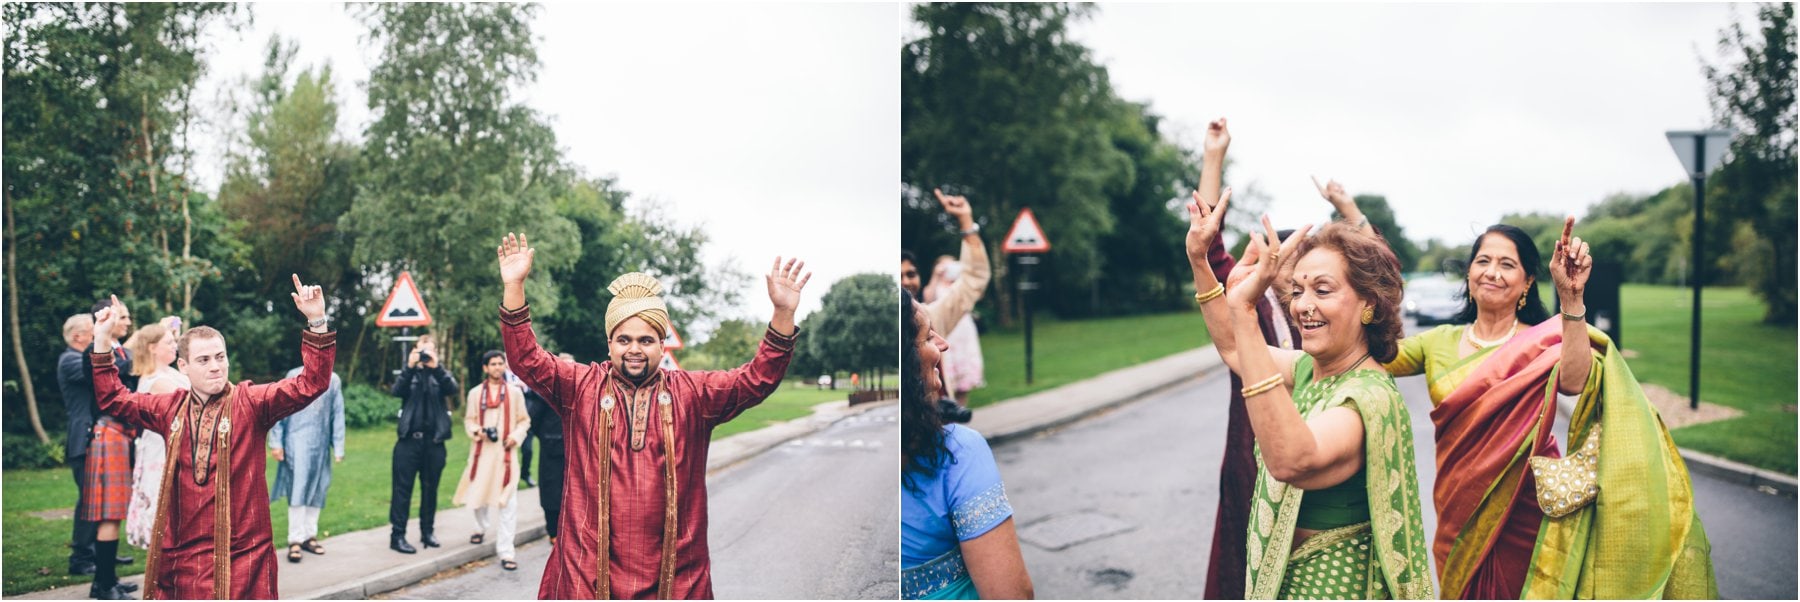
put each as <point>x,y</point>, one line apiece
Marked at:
<point>25,452</point>
<point>366,406</point>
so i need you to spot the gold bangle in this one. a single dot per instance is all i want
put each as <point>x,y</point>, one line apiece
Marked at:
<point>1217,291</point>
<point>1263,386</point>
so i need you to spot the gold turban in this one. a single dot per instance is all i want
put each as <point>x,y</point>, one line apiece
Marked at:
<point>637,294</point>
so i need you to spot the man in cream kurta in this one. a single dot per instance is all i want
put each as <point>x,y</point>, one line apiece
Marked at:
<point>496,421</point>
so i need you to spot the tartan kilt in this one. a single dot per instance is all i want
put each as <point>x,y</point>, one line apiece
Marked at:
<point>107,494</point>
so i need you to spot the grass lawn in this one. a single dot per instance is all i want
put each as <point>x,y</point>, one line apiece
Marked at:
<point>358,499</point>
<point>1065,352</point>
<point>1744,364</point>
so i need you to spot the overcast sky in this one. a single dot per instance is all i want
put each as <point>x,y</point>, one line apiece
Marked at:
<point>1457,113</point>
<point>775,127</point>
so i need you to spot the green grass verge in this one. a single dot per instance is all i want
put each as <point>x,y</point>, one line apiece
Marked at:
<point>1068,351</point>
<point>35,550</point>
<point>1744,364</point>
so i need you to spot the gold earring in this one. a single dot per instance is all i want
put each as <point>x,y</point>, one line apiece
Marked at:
<point>1522,300</point>
<point>1368,315</point>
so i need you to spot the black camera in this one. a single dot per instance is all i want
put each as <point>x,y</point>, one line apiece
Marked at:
<point>424,358</point>
<point>493,433</point>
<point>951,412</point>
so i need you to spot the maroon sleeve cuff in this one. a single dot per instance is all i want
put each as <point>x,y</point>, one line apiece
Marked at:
<point>782,342</point>
<point>324,340</point>
<point>515,317</point>
<point>101,360</point>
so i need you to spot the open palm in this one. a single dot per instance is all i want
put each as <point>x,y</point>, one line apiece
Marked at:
<point>516,255</point>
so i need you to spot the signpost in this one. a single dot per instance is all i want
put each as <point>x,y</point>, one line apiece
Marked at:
<point>1700,152</point>
<point>404,309</point>
<point>1026,240</point>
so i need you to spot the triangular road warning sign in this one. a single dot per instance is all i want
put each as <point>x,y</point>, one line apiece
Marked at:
<point>1025,235</point>
<point>668,362</point>
<point>404,306</point>
<point>673,341</point>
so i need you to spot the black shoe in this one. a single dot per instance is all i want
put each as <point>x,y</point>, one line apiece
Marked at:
<point>77,570</point>
<point>954,413</point>
<point>124,560</point>
<point>527,482</point>
<point>127,587</point>
<point>110,592</point>
<point>398,543</point>
<point>428,540</point>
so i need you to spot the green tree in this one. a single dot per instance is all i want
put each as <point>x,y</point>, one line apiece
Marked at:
<point>97,100</point>
<point>450,163</point>
<point>732,344</point>
<point>1381,216</point>
<point>288,181</point>
<point>998,104</point>
<point>854,328</point>
<point>1752,91</point>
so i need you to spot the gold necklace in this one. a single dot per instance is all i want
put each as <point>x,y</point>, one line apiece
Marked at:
<point>1479,343</point>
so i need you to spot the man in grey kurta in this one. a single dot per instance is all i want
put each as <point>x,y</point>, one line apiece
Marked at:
<point>299,444</point>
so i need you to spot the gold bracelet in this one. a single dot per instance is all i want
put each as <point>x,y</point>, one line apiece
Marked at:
<point>1217,291</point>
<point>1263,386</point>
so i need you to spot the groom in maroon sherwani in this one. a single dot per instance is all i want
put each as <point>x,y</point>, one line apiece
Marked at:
<point>212,537</point>
<point>634,508</point>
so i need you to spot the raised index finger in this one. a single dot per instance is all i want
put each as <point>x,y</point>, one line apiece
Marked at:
<point>1568,228</point>
<point>298,288</point>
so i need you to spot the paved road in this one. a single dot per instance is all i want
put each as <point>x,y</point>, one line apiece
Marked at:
<point>1121,505</point>
<point>816,518</point>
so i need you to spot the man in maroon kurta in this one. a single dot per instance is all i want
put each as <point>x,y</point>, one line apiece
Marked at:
<point>215,487</point>
<point>634,512</point>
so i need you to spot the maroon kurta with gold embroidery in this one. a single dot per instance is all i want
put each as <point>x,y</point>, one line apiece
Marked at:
<point>636,485</point>
<point>186,567</point>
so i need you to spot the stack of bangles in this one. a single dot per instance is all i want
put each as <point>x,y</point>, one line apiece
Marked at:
<point>1263,386</point>
<point>1216,292</point>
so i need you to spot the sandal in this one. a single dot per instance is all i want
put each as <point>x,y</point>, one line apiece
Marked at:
<point>293,552</point>
<point>475,539</point>
<point>509,565</point>
<point>312,545</point>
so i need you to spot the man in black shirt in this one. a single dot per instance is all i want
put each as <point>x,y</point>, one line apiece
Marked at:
<point>424,427</point>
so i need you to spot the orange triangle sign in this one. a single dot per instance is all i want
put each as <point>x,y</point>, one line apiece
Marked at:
<point>1025,235</point>
<point>673,341</point>
<point>404,306</point>
<point>668,362</point>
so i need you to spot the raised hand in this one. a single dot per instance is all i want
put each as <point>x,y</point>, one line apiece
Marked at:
<point>1218,138</point>
<point>1251,286</point>
<point>785,283</point>
<point>1204,225</point>
<point>516,255</point>
<point>309,299</point>
<point>105,320</point>
<point>1333,192</point>
<point>1570,266</point>
<point>958,207</point>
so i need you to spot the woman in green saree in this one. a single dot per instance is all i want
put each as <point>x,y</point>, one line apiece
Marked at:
<point>1516,519</point>
<point>1336,510</point>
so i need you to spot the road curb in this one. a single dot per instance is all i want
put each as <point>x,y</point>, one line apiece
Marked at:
<point>1028,415</point>
<point>412,573</point>
<point>1738,472</point>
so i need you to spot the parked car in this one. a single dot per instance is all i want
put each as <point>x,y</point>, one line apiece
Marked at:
<point>1433,300</point>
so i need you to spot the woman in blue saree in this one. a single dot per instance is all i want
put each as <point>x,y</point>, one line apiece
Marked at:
<point>957,540</point>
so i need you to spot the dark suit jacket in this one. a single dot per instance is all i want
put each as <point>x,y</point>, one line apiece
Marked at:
<point>74,377</point>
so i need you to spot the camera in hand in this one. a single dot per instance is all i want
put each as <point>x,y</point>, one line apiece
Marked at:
<point>493,433</point>
<point>424,358</point>
<point>952,412</point>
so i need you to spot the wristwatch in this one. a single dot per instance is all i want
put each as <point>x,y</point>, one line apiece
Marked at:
<point>318,322</point>
<point>973,228</point>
